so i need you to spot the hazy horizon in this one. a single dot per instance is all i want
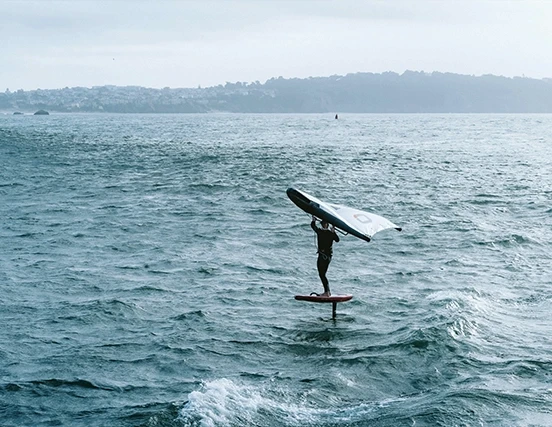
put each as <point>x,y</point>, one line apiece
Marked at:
<point>57,44</point>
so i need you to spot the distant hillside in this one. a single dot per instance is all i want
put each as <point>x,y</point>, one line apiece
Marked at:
<point>410,92</point>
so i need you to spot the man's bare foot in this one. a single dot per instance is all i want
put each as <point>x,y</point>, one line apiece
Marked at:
<point>326,294</point>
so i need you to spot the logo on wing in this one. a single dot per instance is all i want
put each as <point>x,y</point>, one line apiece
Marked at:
<point>364,219</point>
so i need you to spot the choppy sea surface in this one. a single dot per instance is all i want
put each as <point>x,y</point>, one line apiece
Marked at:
<point>148,265</point>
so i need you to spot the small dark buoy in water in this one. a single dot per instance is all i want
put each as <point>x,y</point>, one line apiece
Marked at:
<point>336,117</point>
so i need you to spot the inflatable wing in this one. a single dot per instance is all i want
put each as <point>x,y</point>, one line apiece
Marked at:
<point>353,221</point>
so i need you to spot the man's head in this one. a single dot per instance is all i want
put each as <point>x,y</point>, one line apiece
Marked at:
<point>324,224</point>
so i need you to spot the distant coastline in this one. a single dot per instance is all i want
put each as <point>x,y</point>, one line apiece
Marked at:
<point>410,92</point>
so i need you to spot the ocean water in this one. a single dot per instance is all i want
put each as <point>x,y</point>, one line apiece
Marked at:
<point>148,265</point>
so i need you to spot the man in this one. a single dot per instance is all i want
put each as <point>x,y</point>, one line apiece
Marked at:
<point>326,236</point>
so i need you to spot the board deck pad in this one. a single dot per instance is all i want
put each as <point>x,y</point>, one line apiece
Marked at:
<point>319,298</point>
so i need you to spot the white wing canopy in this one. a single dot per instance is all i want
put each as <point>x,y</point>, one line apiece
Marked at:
<point>359,223</point>
<point>365,222</point>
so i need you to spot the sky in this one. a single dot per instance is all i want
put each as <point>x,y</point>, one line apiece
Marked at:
<point>51,44</point>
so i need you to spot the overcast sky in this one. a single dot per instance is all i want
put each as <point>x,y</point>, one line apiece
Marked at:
<point>185,43</point>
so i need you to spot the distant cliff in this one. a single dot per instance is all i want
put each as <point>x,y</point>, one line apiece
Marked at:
<point>410,92</point>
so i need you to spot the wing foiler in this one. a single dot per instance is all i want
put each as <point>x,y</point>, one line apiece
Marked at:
<point>353,221</point>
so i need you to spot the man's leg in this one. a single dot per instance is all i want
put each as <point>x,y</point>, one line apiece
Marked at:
<point>323,264</point>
